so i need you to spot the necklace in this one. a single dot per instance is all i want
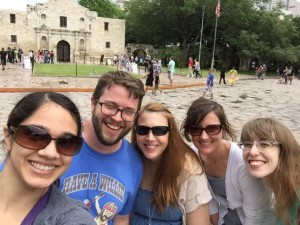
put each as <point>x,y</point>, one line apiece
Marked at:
<point>150,214</point>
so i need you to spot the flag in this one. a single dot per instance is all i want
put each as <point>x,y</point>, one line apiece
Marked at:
<point>218,9</point>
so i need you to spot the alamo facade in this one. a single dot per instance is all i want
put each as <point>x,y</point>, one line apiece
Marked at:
<point>71,31</point>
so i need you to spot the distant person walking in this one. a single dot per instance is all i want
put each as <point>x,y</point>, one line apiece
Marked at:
<point>209,84</point>
<point>32,60</point>
<point>196,69</point>
<point>3,55</point>
<point>233,76</point>
<point>222,75</point>
<point>150,77</point>
<point>52,57</point>
<point>101,59</point>
<point>190,67</point>
<point>171,69</point>
<point>264,71</point>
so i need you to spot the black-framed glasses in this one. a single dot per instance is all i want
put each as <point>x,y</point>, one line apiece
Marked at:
<point>213,129</point>
<point>109,109</point>
<point>156,131</point>
<point>261,145</point>
<point>35,138</point>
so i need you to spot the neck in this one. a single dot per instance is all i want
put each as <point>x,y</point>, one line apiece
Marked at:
<point>150,169</point>
<point>90,137</point>
<point>15,192</point>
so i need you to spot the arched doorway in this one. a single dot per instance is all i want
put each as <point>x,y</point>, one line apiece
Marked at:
<point>63,51</point>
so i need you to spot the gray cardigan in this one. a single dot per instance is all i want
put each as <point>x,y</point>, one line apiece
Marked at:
<point>62,210</point>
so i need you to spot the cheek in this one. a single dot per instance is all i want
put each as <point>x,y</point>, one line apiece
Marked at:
<point>66,160</point>
<point>139,139</point>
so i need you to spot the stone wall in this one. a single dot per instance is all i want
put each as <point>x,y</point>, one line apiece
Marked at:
<point>39,27</point>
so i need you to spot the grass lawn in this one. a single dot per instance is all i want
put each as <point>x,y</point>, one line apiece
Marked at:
<point>82,70</point>
<point>86,70</point>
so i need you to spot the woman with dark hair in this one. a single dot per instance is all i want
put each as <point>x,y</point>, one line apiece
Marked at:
<point>174,187</point>
<point>150,76</point>
<point>41,136</point>
<point>238,198</point>
<point>272,154</point>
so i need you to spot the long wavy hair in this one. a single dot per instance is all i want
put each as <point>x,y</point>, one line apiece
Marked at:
<point>166,187</point>
<point>285,180</point>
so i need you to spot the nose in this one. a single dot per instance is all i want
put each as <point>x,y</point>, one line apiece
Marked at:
<point>118,116</point>
<point>150,135</point>
<point>254,150</point>
<point>50,151</point>
<point>204,135</point>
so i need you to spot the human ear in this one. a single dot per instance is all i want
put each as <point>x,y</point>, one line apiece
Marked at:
<point>7,139</point>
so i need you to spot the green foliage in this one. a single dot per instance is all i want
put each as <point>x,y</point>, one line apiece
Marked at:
<point>104,8</point>
<point>245,30</point>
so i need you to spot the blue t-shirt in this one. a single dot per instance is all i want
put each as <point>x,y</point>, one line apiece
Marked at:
<point>210,80</point>
<point>106,183</point>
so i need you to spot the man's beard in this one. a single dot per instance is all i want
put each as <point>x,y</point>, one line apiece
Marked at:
<point>111,140</point>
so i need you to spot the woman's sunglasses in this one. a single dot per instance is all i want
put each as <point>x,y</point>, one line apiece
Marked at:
<point>156,131</point>
<point>210,129</point>
<point>35,138</point>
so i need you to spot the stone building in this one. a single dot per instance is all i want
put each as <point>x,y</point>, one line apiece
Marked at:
<point>71,31</point>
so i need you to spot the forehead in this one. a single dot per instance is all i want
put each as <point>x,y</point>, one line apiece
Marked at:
<point>210,118</point>
<point>54,117</point>
<point>152,118</point>
<point>119,95</point>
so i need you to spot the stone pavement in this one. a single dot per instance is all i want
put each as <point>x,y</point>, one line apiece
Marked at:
<point>245,100</point>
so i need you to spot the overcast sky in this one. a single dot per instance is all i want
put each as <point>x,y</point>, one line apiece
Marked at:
<point>18,4</point>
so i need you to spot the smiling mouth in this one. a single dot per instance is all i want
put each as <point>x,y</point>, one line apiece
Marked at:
<point>205,142</point>
<point>113,127</point>
<point>42,167</point>
<point>256,162</point>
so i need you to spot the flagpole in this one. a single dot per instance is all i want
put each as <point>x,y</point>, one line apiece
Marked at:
<point>200,42</point>
<point>213,54</point>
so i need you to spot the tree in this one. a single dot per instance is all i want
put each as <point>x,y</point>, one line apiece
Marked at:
<point>104,8</point>
<point>165,22</point>
<point>245,29</point>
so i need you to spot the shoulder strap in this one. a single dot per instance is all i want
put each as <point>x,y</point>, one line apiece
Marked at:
<point>37,209</point>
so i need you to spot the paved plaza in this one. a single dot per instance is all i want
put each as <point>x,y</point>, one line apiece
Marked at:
<point>250,98</point>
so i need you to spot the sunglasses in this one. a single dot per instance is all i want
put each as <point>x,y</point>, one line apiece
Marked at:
<point>156,131</point>
<point>195,130</point>
<point>35,138</point>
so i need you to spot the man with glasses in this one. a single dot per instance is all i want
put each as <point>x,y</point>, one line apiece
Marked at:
<point>107,172</point>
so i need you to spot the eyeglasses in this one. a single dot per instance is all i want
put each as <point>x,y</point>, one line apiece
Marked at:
<point>109,109</point>
<point>35,138</point>
<point>261,145</point>
<point>156,131</point>
<point>214,129</point>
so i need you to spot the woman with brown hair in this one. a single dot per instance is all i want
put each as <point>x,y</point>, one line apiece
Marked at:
<point>174,187</point>
<point>238,198</point>
<point>272,154</point>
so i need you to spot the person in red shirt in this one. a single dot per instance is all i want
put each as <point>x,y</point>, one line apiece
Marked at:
<point>190,66</point>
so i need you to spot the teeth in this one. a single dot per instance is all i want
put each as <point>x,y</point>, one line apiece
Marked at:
<point>256,163</point>
<point>113,127</point>
<point>42,167</point>
<point>151,146</point>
